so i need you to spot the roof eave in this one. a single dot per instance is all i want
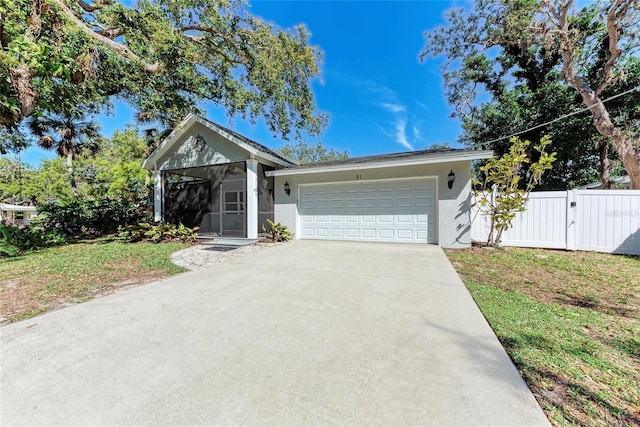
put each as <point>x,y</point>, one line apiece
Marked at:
<point>422,160</point>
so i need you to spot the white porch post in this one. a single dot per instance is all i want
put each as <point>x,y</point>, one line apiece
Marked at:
<point>252,199</point>
<point>158,190</point>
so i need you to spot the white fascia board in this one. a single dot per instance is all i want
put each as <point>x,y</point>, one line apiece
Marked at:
<point>428,159</point>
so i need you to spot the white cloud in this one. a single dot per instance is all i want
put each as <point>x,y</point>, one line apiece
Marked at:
<point>374,88</point>
<point>417,134</point>
<point>394,108</point>
<point>387,99</point>
<point>401,134</point>
<point>422,105</point>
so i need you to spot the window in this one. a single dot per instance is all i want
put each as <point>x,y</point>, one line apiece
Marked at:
<point>233,201</point>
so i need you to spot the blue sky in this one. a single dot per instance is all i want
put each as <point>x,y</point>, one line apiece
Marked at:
<point>380,97</point>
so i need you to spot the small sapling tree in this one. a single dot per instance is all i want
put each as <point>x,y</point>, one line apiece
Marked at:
<point>502,193</point>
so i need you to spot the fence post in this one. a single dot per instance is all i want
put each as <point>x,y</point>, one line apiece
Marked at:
<point>572,225</point>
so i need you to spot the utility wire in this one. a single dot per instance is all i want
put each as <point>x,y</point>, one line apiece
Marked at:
<point>565,116</point>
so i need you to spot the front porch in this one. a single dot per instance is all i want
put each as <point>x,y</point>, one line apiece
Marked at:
<point>214,198</point>
<point>210,177</point>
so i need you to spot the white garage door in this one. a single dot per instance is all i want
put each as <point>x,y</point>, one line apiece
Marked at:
<point>397,210</point>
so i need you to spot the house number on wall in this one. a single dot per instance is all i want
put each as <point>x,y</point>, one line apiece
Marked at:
<point>358,176</point>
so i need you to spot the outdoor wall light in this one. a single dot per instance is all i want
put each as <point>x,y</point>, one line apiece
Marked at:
<point>451,178</point>
<point>287,188</point>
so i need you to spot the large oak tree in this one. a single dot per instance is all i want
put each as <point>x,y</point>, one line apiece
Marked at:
<point>160,56</point>
<point>529,51</point>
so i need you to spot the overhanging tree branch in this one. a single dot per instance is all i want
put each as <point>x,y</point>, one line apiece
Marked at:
<point>119,48</point>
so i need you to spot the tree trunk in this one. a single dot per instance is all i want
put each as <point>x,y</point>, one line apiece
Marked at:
<point>604,165</point>
<point>72,178</point>
<point>25,94</point>
<point>622,144</point>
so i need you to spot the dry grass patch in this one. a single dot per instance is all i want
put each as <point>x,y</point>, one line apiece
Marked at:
<point>571,323</point>
<point>55,277</point>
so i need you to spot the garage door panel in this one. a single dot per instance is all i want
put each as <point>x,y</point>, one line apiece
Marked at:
<point>424,184</point>
<point>370,219</point>
<point>421,219</point>
<point>386,202</point>
<point>337,232</point>
<point>322,203</point>
<point>368,188</point>
<point>351,188</point>
<point>306,204</point>
<point>424,201</point>
<point>405,219</point>
<point>321,219</point>
<point>368,202</point>
<point>369,233</point>
<point>422,235</point>
<point>386,234</point>
<point>405,234</point>
<point>398,210</point>
<point>386,186</point>
<point>352,233</point>
<point>404,201</point>
<point>351,203</point>
<point>386,218</point>
<point>322,231</point>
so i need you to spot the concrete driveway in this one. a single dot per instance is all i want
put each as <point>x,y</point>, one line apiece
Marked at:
<point>303,333</point>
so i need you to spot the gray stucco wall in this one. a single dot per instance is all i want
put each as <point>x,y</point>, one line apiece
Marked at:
<point>454,205</point>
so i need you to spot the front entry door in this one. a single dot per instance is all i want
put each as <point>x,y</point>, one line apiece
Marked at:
<point>233,209</point>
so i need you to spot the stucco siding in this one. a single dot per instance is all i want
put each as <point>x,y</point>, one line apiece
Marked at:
<point>453,225</point>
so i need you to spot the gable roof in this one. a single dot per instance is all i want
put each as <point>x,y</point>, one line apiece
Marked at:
<point>245,143</point>
<point>404,158</point>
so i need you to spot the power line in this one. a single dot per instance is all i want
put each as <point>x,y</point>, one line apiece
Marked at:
<point>564,117</point>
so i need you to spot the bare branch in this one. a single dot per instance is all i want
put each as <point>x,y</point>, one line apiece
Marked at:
<point>196,39</point>
<point>211,46</point>
<point>110,33</point>
<point>616,12</point>
<point>89,7</point>
<point>92,7</point>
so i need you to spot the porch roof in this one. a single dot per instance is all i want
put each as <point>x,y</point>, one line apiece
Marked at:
<point>252,147</point>
<point>16,208</point>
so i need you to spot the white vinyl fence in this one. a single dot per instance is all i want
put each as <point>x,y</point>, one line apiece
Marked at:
<point>587,220</point>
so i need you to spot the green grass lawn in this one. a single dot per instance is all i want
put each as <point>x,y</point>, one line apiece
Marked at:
<point>571,323</point>
<point>51,278</point>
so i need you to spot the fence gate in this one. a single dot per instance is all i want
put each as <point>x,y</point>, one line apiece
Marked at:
<point>590,220</point>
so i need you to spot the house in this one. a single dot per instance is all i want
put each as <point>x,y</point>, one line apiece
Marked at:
<point>209,176</point>
<point>617,183</point>
<point>16,215</point>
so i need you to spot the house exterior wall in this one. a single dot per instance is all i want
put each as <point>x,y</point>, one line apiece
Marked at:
<point>453,212</point>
